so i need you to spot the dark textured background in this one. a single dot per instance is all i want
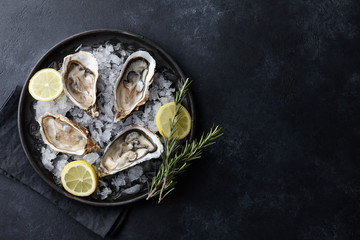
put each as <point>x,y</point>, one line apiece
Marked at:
<point>281,77</point>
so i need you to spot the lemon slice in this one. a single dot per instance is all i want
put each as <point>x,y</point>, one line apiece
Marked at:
<point>79,178</point>
<point>165,114</point>
<point>46,85</point>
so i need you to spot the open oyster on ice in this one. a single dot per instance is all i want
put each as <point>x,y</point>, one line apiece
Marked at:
<point>79,77</point>
<point>133,145</point>
<point>63,135</point>
<point>132,86</point>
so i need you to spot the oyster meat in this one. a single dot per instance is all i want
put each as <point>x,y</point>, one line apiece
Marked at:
<point>79,77</point>
<point>63,135</point>
<point>132,86</point>
<point>133,145</point>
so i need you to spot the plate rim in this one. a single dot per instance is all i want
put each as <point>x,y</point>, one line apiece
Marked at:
<point>23,93</point>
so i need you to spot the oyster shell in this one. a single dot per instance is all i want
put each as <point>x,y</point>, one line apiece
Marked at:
<point>132,86</point>
<point>133,145</point>
<point>79,77</point>
<point>63,135</point>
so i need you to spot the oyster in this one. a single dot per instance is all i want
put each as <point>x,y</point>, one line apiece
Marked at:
<point>79,77</point>
<point>132,86</point>
<point>133,145</point>
<point>63,135</point>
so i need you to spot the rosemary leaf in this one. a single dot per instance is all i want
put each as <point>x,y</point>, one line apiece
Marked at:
<point>175,159</point>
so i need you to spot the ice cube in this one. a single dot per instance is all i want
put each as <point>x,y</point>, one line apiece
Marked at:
<point>115,59</point>
<point>132,190</point>
<point>105,192</point>
<point>91,158</point>
<point>119,181</point>
<point>47,156</point>
<point>134,173</point>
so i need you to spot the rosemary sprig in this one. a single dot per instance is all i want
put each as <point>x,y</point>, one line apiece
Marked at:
<point>176,159</point>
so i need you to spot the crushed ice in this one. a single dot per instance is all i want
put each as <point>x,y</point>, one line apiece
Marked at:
<point>103,129</point>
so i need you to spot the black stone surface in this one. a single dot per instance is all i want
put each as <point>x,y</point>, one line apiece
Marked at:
<point>281,77</point>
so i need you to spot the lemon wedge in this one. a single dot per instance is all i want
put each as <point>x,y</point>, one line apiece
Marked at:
<point>79,178</point>
<point>165,114</point>
<point>46,85</point>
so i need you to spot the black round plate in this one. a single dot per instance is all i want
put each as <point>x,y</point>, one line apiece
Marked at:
<point>26,118</point>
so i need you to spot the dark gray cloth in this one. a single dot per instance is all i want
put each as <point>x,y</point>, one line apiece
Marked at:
<point>14,164</point>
